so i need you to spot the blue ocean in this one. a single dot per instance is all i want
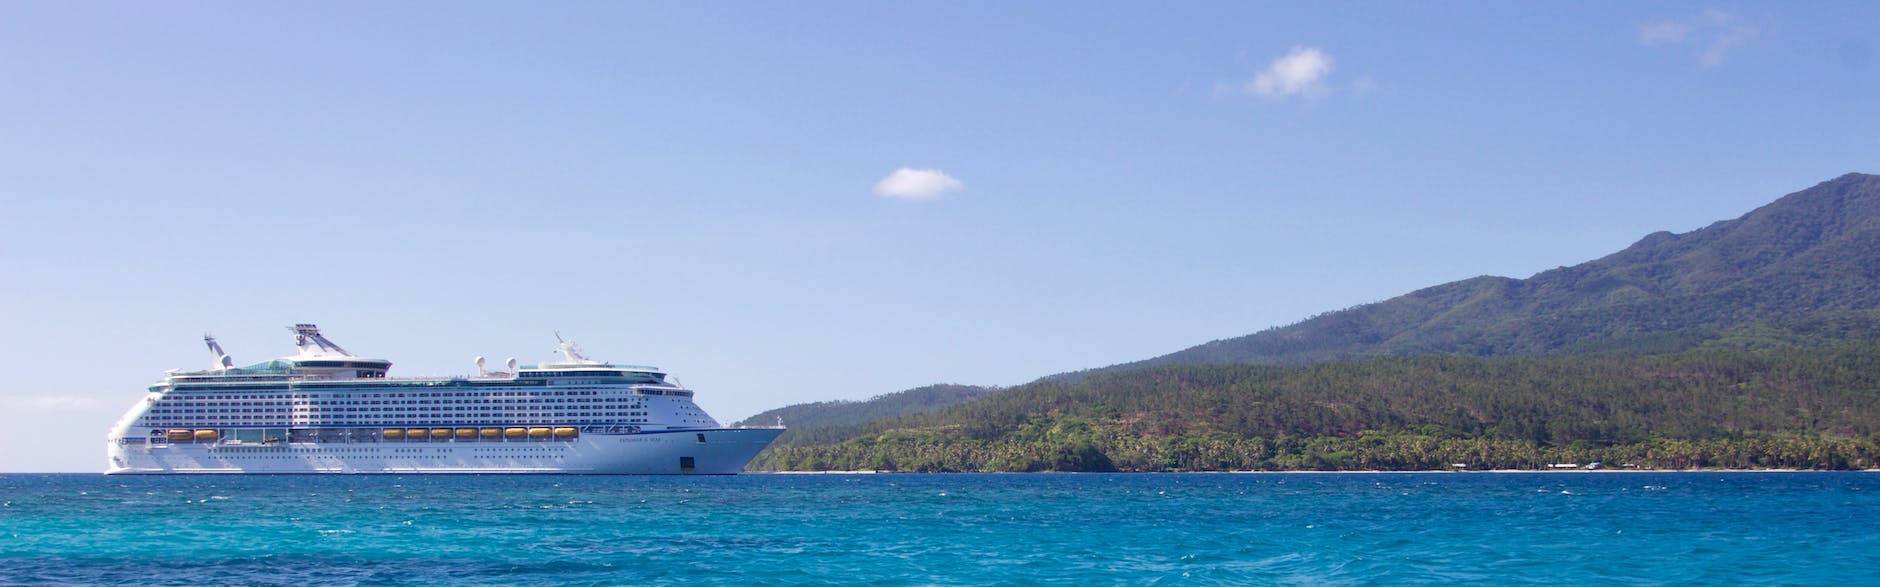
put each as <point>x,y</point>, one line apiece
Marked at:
<point>1209,529</point>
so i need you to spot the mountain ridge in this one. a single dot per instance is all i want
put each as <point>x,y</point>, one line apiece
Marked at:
<point>1810,251</point>
<point>826,420</point>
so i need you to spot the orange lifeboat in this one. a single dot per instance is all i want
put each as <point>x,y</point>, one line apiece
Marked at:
<point>538,433</point>
<point>440,433</point>
<point>466,433</point>
<point>566,432</point>
<point>515,432</point>
<point>490,433</point>
<point>416,433</point>
<point>180,435</point>
<point>393,433</point>
<point>207,435</point>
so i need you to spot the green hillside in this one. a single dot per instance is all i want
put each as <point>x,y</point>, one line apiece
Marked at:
<point>838,420</point>
<point>1811,252</point>
<point>1806,408</point>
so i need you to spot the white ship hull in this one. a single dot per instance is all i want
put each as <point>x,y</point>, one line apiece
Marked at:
<point>720,451</point>
<point>325,410</point>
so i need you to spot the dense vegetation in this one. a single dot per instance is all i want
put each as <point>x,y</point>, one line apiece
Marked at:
<point>1812,252</point>
<point>1814,330</point>
<point>1806,408</point>
<point>822,422</point>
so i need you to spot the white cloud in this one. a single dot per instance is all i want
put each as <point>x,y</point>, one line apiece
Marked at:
<point>1730,37</point>
<point>1301,71</point>
<point>917,184</point>
<point>1713,33</point>
<point>48,403</point>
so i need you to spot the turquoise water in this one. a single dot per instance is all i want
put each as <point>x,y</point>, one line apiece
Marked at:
<point>1631,528</point>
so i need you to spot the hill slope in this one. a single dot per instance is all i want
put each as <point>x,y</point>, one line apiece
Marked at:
<point>1808,408</point>
<point>1813,251</point>
<point>838,420</point>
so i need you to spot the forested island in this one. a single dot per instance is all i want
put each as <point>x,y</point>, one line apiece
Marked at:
<point>1751,343</point>
<point>1803,408</point>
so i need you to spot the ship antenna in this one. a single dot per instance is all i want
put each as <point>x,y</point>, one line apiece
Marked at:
<point>222,360</point>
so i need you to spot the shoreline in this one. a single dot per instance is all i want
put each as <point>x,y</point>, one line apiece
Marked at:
<point>871,472</point>
<point>1317,472</point>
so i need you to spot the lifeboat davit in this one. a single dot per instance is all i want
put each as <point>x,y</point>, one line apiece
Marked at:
<point>566,432</point>
<point>207,435</point>
<point>393,433</point>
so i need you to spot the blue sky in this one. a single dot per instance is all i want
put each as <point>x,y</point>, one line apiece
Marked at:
<point>706,186</point>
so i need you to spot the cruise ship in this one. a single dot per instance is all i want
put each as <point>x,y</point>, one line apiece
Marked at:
<point>325,410</point>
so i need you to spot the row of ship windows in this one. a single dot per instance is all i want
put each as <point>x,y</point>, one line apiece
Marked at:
<point>167,417</point>
<point>427,411</point>
<point>218,420</point>
<point>439,394</point>
<point>254,457</point>
<point>406,416</point>
<point>437,451</point>
<point>379,451</point>
<point>416,407</point>
<point>335,409</point>
<point>415,451</point>
<point>281,402</point>
<point>509,394</point>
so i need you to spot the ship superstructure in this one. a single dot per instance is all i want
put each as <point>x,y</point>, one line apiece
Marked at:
<point>326,410</point>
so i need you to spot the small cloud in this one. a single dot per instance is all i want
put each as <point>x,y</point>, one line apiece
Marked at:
<point>1301,72</point>
<point>917,184</point>
<point>48,403</point>
<point>1713,33</point>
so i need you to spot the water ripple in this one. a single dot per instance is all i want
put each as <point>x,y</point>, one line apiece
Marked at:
<point>1807,528</point>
